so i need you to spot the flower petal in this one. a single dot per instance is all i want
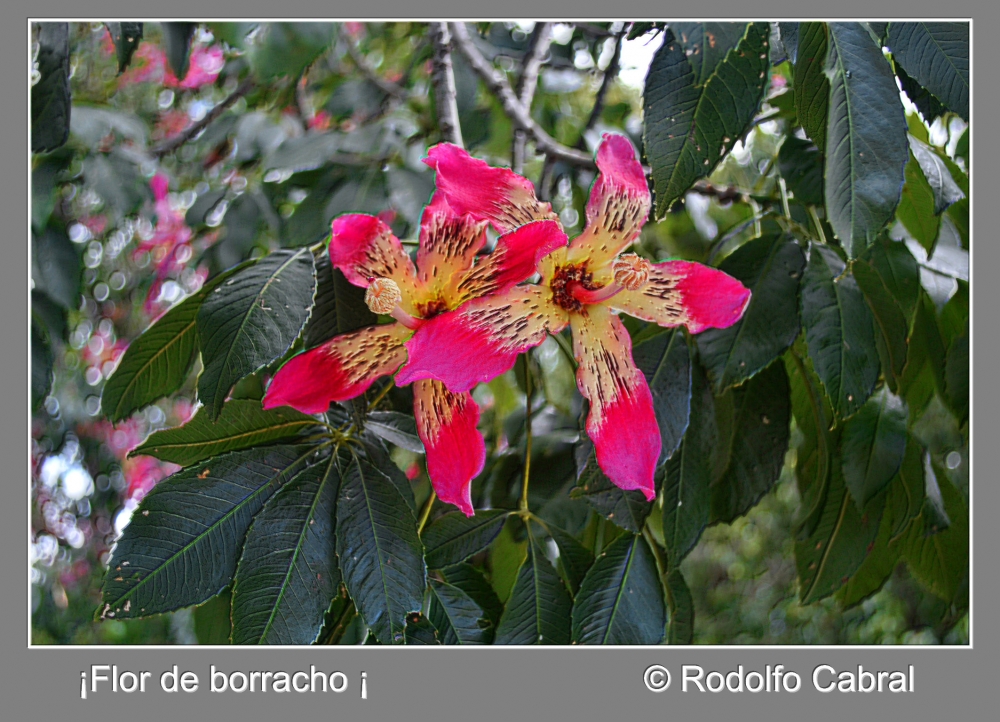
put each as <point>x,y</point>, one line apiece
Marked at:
<point>482,339</point>
<point>683,292</point>
<point>621,423</point>
<point>449,243</point>
<point>340,369</point>
<point>472,186</point>
<point>618,206</point>
<point>363,246</point>
<point>456,452</point>
<point>515,259</point>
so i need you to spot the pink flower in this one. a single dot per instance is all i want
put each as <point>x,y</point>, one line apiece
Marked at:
<point>320,121</point>
<point>170,244</point>
<point>583,285</point>
<point>443,278</point>
<point>170,124</point>
<point>149,65</point>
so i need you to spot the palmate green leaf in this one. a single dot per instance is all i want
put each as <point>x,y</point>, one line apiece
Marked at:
<point>899,272</point>
<point>454,537</point>
<point>681,627</point>
<point>420,631</point>
<point>50,96</point>
<point>183,542</point>
<point>940,562</point>
<point>212,623</point>
<point>340,306</point>
<point>936,55</point>
<point>789,34</point>
<point>627,509</point>
<point>688,476</point>
<point>126,37</point>
<point>288,573</point>
<point>666,363</point>
<point>759,427</point>
<point>456,616</point>
<point>866,146</point>
<point>377,452</point>
<point>379,550</point>
<point>771,267</point>
<point>827,558</point>
<point>396,428</point>
<point>801,165</point>
<point>916,206</point>
<point>873,445</point>
<point>810,84</point>
<point>157,363</point>
<point>538,610</point>
<point>923,374</point>
<point>471,581</point>
<point>241,425</point>
<point>177,38</point>
<point>574,558</point>
<point>891,326</point>
<point>698,104</point>
<point>621,599</point>
<point>873,572</point>
<point>839,331</point>
<point>252,319</point>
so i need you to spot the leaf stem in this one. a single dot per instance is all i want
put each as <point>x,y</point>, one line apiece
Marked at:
<point>382,394</point>
<point>523,506</point>
<point>426,513</point>
<point>814,217</point>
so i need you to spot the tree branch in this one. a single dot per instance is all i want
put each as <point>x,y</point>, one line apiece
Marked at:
<point>538,48</point>
<point>386,86</point>
<point>443,80</point>
<point>512,107</point>
<point>169,146</point>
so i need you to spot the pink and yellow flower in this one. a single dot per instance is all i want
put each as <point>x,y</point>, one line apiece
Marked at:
<point>583,284</point>
<point>444,277</point>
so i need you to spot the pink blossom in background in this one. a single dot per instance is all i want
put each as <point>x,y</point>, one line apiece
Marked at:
<point>320,121</point>
<point>171,124</point>
<point>143,472</point>
<point>95,224</point>
<point>149,65</point>
<point>170,244</point>
<point>355,30</point>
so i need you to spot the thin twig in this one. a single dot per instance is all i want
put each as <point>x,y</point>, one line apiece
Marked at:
<point>386,86</point>
<point>443,80</point>
<point>538,48</point>
<point>176,142</point>
<point>602,93</point>
<point>512,107</point>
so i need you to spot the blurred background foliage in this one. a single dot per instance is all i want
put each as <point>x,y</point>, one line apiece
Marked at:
<point>273,131</point>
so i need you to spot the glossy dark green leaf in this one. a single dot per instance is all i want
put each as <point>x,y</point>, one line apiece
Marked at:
<point>956,375</point>
<point>874,571</point>
<point>288,573</point>
<point>340,306</point>
<point>771,267</point>
<point>157,363</point>
<point>899,272</point>
<point>761,412</point>
<point>177,38</point>
<point>666,363</point>
<point>688,476</point>
<point>944,188</point>
<point>454,537</point>
<point>241,425</point>
<point>379,550</point>
<point>934,512</point>
<point>458,619</point>
<point>56,266</point>
<point>378,454</point>
<point>923,374</point>
<point>126,37</point>
<point>940,562</point>
<point>539,608</point>
<point>906,493</point>
<point>789,34</point>
<point>697,105</point>
<point>936,55</point>
<point>839,331</point>
<point>916,206</point>
<point>891,325</point>
<point>50,96</point>
<point>801,165</point>
<point>837,547</point>
<point>574,558</point>
<point>866,146</point>
<point>810,83</point>
<point>471,581</point>
<point>251,319</point>
<point>621,600</point>
<point>396,428</point>
<point>289,48</point>
<point>873,445</point>
<point>928,106</point>
<point>681,627</point>
<point>627,509</point>
<point>183,541</point>
<point>420,630</point>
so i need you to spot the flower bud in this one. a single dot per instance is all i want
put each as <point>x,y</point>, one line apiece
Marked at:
<point>631,271</point>
<point>382,295</point>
